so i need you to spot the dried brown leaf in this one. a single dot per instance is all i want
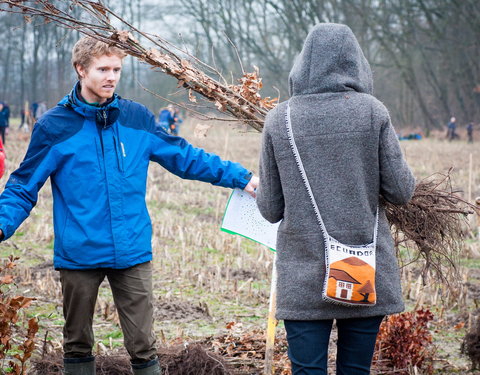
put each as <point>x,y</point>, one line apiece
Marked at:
<point>191,97</point>
<point>20,302</point>
<point>211,85</point>
<point>32,327</point>
<point>13,258</point>
<point>185,64</point>
<point>220,106</point>
<point>99,8</point>
<point>51,8</point>
<point>7,279</point>
<point>165,61</point>
<point>268,103</point>
<point>186,75</point>
<point>154,54</point>
<point>123,36</point>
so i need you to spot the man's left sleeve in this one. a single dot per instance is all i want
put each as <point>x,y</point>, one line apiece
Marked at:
<point>182,159</point>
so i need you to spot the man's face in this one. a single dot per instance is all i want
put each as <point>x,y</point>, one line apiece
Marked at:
<point>101,78</point>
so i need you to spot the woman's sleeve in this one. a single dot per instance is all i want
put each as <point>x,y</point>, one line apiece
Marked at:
<point>397,182</point>
<point>270,200</point>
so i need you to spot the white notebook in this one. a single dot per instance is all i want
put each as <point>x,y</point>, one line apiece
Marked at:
<point>242,217</point>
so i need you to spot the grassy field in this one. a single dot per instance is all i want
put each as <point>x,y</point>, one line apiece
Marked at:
<point>204,278</point>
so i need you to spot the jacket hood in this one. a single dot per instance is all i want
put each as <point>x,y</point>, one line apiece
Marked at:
<point>73,101</point>
<point>331,61</point>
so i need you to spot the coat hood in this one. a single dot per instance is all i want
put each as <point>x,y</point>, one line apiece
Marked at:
<point>105,115</point>
<point>331,61</point>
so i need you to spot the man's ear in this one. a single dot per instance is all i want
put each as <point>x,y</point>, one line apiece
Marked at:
<point>81,71</point>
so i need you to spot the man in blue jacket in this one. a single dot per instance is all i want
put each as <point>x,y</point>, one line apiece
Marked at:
<point>96,147</point>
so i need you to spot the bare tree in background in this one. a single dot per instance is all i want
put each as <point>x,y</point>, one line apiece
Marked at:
<point>424,53</point>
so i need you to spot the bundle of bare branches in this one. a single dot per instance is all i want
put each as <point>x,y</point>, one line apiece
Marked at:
<point>432,220</point>
<point>435,223</point>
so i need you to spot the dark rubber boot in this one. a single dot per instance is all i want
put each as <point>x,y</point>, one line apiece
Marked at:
<point>79,366</point>
<point>148,368</point>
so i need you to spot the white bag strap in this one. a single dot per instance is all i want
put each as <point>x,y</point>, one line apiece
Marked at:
<point>293,145</point>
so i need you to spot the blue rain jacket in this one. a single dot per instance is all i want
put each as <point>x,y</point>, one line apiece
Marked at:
<point>97,160</point>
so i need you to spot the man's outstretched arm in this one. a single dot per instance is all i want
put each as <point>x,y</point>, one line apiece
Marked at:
<point>186,161</point>
<point>21,191</point>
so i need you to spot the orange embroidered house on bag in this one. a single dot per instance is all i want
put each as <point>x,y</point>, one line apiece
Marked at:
<point>352,280</point>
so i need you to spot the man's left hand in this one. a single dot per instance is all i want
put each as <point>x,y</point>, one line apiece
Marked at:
<point>252,186</point>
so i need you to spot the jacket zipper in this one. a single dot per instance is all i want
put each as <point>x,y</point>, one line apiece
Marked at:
<point>104,115</point>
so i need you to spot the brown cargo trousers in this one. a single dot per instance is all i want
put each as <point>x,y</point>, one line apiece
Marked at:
<point>133,297</point>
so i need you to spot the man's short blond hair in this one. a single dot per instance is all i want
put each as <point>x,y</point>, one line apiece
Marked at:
<point>88,48</point>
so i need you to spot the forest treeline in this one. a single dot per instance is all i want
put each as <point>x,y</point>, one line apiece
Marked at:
<point>425,54</point>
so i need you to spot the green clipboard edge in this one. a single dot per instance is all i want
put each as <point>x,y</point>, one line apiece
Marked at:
<point>238,234</point>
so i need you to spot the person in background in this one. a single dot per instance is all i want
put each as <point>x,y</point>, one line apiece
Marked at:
<point>22,118</point>
<point>4,120</point>
<point>470,132</point>
<point>166,118</point>
<point>175,127</point>
<point>33,109</point>
<point>7,112</point>
<point>452,129</point>
<point>351,156</point>
<point>27,118</point>
<point>2,159</point>
<point>96,148</point>
<point>41,109</point>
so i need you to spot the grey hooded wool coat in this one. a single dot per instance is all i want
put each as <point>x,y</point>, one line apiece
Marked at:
<point>351,155</point>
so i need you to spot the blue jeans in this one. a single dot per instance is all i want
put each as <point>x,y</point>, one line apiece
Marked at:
<point>308,345</point>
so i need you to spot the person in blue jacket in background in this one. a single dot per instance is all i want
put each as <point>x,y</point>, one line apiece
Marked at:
<point>175,127</point>
<point>166,118</point>
<point>96,148</point>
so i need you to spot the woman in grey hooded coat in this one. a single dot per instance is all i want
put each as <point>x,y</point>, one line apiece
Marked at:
<point>351,156</point>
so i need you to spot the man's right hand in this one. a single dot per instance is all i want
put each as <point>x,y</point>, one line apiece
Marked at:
<point>252,186</point>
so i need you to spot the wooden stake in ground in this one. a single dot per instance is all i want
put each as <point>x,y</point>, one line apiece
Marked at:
<point>272,322</point>
<point>470,177</point>
<point>477,203</point>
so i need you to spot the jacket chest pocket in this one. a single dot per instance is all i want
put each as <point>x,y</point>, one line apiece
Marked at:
<point>112,152</point>
<point>120,153</point>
